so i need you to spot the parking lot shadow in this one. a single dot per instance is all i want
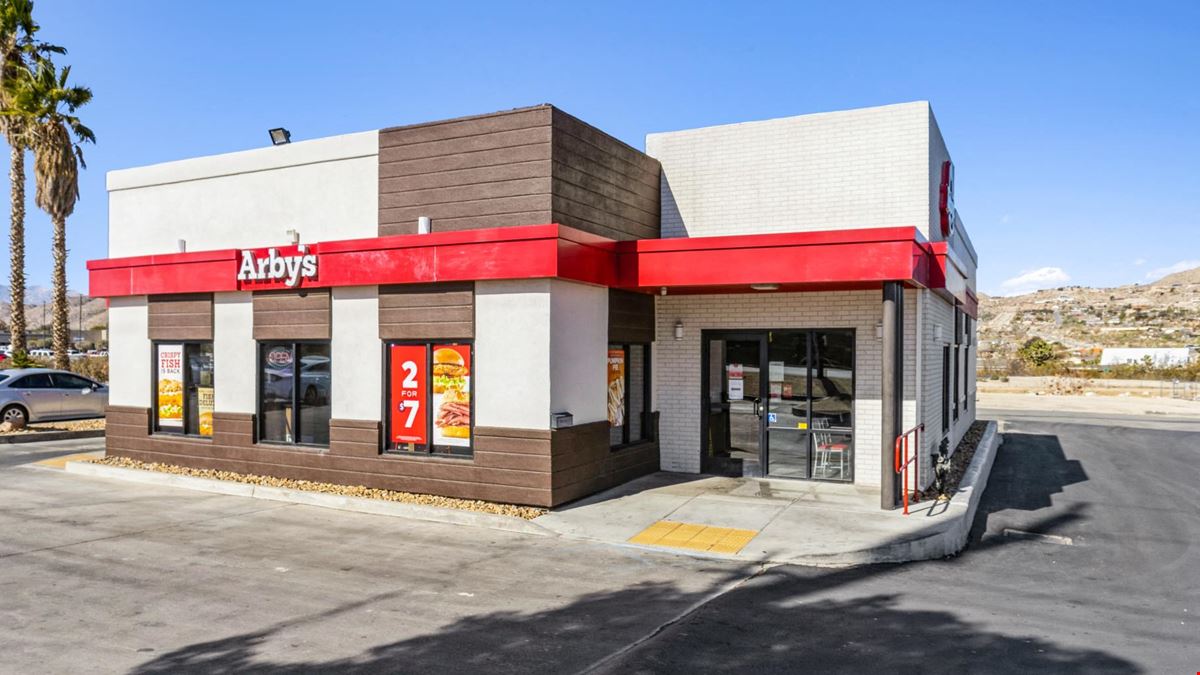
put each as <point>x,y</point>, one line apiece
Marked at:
<point>1029,470</point>
<point>770,623</point>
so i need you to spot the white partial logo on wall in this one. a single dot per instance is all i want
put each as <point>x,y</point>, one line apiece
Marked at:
<point>289,269</point>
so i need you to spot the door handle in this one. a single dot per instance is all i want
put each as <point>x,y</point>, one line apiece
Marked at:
<point>758,410</point>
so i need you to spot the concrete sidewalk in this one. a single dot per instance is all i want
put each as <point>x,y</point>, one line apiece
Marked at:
<point>784,521</point>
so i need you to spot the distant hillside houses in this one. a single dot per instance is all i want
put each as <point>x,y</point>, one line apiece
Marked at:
<point>1158,357</point>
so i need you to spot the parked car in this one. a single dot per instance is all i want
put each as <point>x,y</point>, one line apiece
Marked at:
<point>42,394</point>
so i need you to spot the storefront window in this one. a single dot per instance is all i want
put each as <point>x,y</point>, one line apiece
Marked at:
<point>183,388</point>
<point>430,398</point>
<point>294,392</point>
<point>628,392</point>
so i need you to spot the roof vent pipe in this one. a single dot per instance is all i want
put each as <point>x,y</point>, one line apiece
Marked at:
<point>423,225</point>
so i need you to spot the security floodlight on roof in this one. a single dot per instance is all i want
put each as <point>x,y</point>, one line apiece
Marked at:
<point>280,136</point>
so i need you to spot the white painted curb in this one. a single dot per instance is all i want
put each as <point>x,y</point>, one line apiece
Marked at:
<point>436,514</point>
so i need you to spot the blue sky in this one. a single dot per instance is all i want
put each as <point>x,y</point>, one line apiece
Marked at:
<point>1073,126</point>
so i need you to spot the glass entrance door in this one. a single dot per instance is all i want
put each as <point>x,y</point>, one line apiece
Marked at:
<point>779,403</point>
<point>733,397</point>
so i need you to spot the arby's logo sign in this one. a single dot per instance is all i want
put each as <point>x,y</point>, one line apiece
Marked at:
<point>276,267</point>
<point>946,199</point>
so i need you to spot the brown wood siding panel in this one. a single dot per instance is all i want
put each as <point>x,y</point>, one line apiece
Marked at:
<point>630,317</point>
<point>598,221</point>
<point>180,317</point>
<point>450,488</point>
<point>487,175</point>
<point>539,168</point>
<point>283,316</point>
<point>588,175</point>
<point>567,123</point>
<point>511,465</point>
<point>495,189</point>
<point>473,125</point>
<point>567,145</point>
<point>602,185</point>
<point>432,168</point>
<point>467,207</point>
<point>427,311</point>
<point>584,463</point>
<point>354,438</point>
<point>460,145</point>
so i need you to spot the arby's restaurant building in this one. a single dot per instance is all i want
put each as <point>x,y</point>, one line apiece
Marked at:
<point>518,307</point>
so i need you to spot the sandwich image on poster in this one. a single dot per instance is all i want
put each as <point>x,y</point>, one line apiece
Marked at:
<point>452,395</point>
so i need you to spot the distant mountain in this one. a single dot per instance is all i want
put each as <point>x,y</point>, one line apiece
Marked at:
<point>1165,313</point>
<point>34,295</point>
<point>37,308</point>
<point>1185,277</point>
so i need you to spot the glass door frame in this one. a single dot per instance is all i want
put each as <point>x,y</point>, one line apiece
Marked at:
<point>763,336</point>
<point>707,336</point>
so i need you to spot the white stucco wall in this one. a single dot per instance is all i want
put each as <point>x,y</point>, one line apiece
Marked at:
<point>676,363</point>
<point>827,171</point>
<point>579,350</point>
<point>512,353</point>
<point>357,354</point>
<point>326,189</point>
<point>235,374</point>
<point>129,358</point>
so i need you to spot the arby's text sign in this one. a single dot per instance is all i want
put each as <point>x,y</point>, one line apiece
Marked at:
<point>276,267</point>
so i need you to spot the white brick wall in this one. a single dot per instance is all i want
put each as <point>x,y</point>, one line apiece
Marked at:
<point>869,167</point>
<point>937,312</point>
<point>676,363</point>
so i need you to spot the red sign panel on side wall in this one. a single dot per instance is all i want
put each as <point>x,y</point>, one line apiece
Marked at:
<point>407,394</point>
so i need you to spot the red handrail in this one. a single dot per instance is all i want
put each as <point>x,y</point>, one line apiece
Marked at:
<point>902,460</point>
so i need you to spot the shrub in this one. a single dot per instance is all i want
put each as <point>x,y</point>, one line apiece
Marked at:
<point>95,367</point>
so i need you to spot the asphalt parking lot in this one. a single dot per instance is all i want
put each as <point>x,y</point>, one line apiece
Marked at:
<point>1083,560</point>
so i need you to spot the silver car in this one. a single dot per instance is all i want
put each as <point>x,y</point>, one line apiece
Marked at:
<point>41,394</point>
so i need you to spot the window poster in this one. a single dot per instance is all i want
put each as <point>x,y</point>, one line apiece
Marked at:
<point>616,387</point>
<point>204,397</point>
<point>408,397</point>
<point>170,386</point>
<point>452,395</point>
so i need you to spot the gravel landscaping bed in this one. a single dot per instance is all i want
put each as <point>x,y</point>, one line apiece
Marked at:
<point>73,425</point>
<point>959,461</point>
<point>526,512</point>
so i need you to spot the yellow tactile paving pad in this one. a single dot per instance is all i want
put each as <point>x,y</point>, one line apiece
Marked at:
<point>672,534</point>
<point>61,462</point>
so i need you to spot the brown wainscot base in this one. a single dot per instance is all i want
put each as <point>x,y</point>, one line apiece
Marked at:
<point>535,467</point>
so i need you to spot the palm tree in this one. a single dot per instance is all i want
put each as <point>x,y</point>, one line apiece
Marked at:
<point>56,136</point>
<point>17,46</point>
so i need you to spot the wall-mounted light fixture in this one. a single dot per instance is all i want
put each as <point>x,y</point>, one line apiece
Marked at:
<point>280,136</point>
<point>878,330</point>
<point>937,333</point>
<point>662,291</point>
<point>424,225</point>
<point>293,236</point>
<point>765,287</point>
<point>182,245</point>
<point>678,329</point>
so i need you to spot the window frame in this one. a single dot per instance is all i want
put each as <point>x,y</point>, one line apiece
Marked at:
<point>626,428</point>
<point>184,431</point>
<point>428,449</point>
<point>259,418</point>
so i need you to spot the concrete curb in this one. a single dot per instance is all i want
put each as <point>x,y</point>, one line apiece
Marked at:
<point>436,514</point>
<point>42,436</point>
<point>946,538</point>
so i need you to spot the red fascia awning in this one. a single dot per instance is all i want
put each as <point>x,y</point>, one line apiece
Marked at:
<point>530,251</point>
<point>825,260</point>
<point>828,259</point>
